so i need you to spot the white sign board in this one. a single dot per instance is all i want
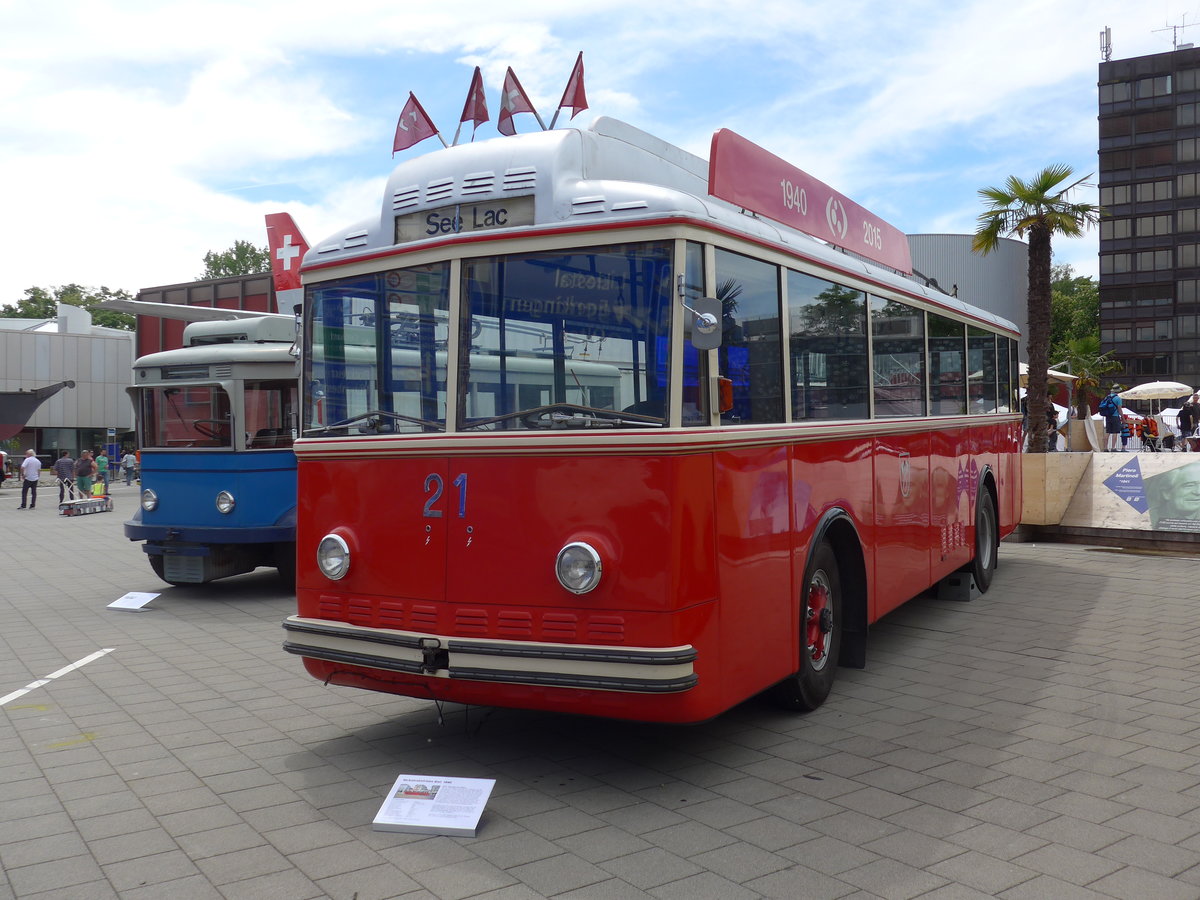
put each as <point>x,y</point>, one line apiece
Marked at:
<point>434,804</point>
<point>134,600</point>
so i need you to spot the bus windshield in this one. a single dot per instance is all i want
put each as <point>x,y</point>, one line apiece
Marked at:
<point>186,416</point>
<point>270,414</point>
<point>564,339</point>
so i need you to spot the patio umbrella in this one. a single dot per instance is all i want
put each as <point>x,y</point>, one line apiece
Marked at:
<point>1156,390</point>
<point>1052,374</point>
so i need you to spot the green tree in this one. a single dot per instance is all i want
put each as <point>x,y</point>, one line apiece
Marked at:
<point>243,258</point>
<point>1036,210</point>
<point>1074,310</point>
<point>41,303</point>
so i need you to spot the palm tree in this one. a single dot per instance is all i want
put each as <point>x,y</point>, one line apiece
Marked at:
<point>1036,209</point>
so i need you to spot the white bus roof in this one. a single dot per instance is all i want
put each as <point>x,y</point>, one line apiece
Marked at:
<point>609,172</point>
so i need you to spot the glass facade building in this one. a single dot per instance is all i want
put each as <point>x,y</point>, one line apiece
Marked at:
<point>1149,177</point>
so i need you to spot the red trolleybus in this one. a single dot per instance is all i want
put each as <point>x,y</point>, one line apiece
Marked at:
<point>593,425</point>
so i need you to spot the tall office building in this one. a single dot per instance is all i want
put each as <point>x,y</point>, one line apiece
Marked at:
<point>1149,179</point>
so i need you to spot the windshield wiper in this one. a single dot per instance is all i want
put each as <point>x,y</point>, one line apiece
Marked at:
<point>571,415</point>
<point>373,418</point>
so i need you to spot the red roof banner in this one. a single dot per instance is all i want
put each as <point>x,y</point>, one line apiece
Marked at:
<point>743,173</point>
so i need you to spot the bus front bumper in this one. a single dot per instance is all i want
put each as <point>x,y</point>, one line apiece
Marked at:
<point>647,670</point>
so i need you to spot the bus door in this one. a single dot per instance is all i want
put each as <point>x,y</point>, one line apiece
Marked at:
<point>902,514</point>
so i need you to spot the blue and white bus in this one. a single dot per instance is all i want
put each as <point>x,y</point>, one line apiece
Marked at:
<point>216,421</point>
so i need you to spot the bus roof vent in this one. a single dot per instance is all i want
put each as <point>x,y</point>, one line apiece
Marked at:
<point>479,183</point>
<point>439,190</point>
<point>406,197</point>
<point>582,206</point>
<point>224,370</point>
<point>520,179</point>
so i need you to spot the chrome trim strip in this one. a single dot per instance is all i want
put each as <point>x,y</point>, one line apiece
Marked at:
<point>590,666</point>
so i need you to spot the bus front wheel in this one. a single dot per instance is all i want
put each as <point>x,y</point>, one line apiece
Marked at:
<point>820,634</point>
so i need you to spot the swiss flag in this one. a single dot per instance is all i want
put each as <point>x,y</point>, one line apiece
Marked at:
<point>574,95</point>
<point>287,247</point>
<point>513,100</point>
<point>414,125</point>
<point>475,109</point>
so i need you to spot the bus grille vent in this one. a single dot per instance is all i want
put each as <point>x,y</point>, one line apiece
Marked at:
<point>513,624</point>
<point>471,621</point>
<point>479,183</point>
<point>606,630</point>
<point>423,618</point>
<point>358,612</point>
<point>522,179</point>
<point>391,615</point>
<point>329,607</point>
<point>437,191</point>
<point>406,197</point>
<point>560,626</point>
<point>355,239</point>
<point>225,371</point>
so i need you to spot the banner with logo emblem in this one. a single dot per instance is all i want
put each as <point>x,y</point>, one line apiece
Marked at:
<point>745,174</point>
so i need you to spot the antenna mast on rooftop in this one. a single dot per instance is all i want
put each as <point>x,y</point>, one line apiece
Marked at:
<point>1106,44</point>
<point>1175,29</point>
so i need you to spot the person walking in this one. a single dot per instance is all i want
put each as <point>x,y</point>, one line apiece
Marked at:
<point>128,462</point>
<point>64,471</point>
<point>1189,418</point>
<point>1110,408</point>
<point>31,473</point>
<point>85,468</point>
<point>102,468</point>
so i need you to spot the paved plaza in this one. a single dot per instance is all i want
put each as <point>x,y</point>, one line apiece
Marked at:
<point>1040,742</point>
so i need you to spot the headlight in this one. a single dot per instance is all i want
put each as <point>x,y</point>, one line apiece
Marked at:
<point>333,557</point>
<point>578,567</point>
<point>149,500</point>
<point>225,502</point>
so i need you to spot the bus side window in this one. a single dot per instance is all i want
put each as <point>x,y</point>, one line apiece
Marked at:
<point>751,351</point>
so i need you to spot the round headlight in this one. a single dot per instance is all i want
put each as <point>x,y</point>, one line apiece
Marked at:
<point>225,502</point>
<point>578,567</point>
<point>149,500</point>
<point>333,557</point>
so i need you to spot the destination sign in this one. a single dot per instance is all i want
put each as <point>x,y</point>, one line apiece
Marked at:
<point>742,172</point>
<point>464,218</point>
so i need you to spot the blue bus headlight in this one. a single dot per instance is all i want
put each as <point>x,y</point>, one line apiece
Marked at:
<point>578,567</point>
<point>333,557</point>
<point>225,502</point>
<point>149,500</point>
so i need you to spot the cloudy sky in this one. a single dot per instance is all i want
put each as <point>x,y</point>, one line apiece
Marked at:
<point>137,135</point>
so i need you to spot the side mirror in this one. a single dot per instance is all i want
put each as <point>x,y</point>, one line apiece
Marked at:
<point>706,327</point>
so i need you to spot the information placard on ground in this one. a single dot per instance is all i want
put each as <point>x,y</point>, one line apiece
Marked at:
<point>434,804</point>
<point>134,600</point>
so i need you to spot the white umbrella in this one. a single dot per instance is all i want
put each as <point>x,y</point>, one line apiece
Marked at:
<point>1156,390</point>
<point>1052,374</point>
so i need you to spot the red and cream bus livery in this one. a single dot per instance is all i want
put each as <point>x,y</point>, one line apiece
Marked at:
<point>594,425</point>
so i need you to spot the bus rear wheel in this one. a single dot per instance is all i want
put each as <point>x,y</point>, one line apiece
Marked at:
<point>820,635</point>
<point>987,541</point>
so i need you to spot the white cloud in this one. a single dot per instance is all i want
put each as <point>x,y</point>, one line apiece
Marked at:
<point>136,135</point>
